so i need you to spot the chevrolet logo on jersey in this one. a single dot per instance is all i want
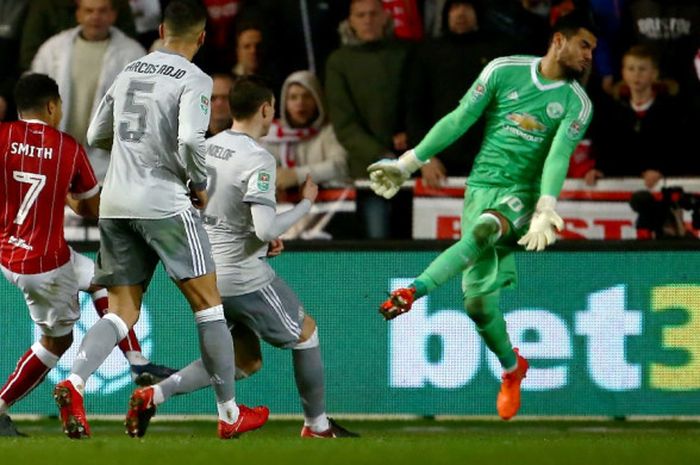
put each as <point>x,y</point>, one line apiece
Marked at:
<point>526,122</point>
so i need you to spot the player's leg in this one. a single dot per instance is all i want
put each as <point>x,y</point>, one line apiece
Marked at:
<point>32,367</point>
<point>481,229</point>
<point>194,376</point>
<point>493,270</point>
<point>481,303</point>
<point>142,370</point>
<point>246,346</point>
<point>94,349</point>
<point>308,375</point>
<point>309,378</point>
<point>30,371</point>
<point>275,313</point>
<point>183,246</point>
<point>124,265</point>
<point>144,401</point>
<point>215,342</point>
<point>52,301</point>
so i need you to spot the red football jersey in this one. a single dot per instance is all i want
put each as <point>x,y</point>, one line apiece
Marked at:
<point>39,166</point>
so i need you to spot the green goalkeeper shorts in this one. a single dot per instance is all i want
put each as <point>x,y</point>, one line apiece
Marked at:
<point>495,268</point>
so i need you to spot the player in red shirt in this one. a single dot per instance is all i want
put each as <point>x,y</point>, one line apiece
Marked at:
<point>42,169</point>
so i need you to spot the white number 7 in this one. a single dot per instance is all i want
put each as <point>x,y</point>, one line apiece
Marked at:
<point>37,182</point>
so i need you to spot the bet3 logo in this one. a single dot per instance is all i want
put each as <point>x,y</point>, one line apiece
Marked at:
<point>621,349</point>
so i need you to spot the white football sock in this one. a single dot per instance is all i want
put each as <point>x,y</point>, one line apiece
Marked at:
<point>228,411</point>
<point>158,397</point>
<point>77,382</point>
<point>136,358</point>
<point>318,424</point>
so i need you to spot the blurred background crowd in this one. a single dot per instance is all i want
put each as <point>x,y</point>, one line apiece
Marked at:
<point>360,80</point>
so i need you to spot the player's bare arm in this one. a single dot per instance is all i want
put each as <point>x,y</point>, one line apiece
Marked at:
<point>87,208</point>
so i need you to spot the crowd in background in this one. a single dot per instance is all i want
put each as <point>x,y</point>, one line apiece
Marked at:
<point>360,80</point>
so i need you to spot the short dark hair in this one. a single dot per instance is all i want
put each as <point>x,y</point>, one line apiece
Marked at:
<point>181,16</point>
<point>112,5</point>
<point>247,95</point>
<point>644,52</point>
<point>570,23</point>
<point>248,26</point>
<point>34,90</point>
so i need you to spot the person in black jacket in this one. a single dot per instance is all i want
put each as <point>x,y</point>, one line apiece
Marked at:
<point>442,71</point>
<point>639,131</point>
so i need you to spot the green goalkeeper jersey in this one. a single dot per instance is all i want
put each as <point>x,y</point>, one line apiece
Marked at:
<point>532,126</point>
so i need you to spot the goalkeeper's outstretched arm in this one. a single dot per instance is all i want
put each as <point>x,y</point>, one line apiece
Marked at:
<point>386,176</point>
<point>450,128</point>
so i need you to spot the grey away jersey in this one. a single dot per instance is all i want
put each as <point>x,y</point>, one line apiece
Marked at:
<point>241,172</point>
<point>156,114</point>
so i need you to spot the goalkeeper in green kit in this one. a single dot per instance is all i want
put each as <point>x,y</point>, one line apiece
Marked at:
<point>535,112</point>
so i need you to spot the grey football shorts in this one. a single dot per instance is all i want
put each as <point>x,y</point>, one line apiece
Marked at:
<point>131,248</point>
<point>274,313</point>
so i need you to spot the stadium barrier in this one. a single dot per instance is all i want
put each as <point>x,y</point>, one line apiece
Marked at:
<point>599,212</point>
<point>610,329</point>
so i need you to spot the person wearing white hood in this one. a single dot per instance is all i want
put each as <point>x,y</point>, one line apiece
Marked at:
<point>302,140</point>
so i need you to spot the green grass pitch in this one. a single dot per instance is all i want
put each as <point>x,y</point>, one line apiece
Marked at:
<point>424,442</point>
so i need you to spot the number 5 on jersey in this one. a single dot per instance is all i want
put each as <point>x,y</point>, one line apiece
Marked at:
<point>126,133</point>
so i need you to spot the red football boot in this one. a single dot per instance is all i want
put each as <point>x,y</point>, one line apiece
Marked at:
<point>70,406</point>
<point>335,431</point>
<point>249,419</point>
<point>508,401</point>
<point>141,410</point>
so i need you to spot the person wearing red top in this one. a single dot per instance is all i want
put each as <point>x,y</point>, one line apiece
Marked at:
<point>41,170</point>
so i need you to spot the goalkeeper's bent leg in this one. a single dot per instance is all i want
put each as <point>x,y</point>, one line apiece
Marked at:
<point>459,256</point>
<point>484,312</point>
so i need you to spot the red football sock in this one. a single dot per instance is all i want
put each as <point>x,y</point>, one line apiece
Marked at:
<point>29,372</point>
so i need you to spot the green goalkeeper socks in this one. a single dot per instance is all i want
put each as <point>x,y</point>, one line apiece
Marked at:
<point>484,312</point>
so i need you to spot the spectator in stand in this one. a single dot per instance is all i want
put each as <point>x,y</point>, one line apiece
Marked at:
<point>302,139</point>
<point>221,118</point>
<point>249,50</point>
<point>146,15</point>
<point>639,131</point>
<point>12,14</point>
<point>47,18</point>
<point>610,18</point>
<point>441,74</point>
<point>364,84</point>
<point>217,54</point>
<point>672,29</point>
<point>525,23</point>
<point>304,33</point>
<point>84,61</point>
<point>251,55</point>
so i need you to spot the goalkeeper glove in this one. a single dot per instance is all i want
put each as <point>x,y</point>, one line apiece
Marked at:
<point>386,176</point>
<point>543,225</point>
